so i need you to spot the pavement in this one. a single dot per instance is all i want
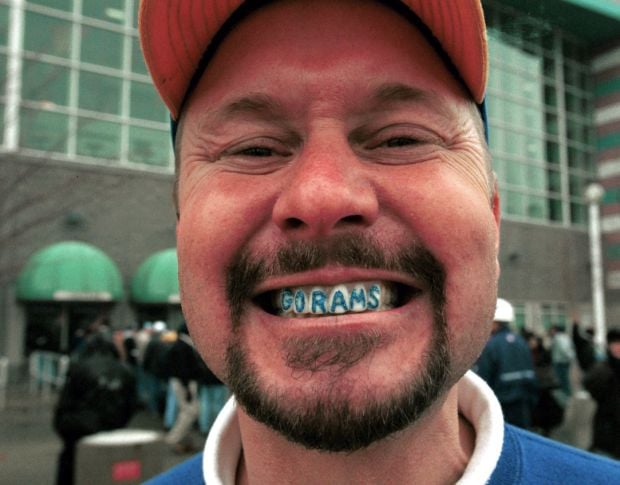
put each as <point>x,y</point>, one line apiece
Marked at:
<point>29,447</point>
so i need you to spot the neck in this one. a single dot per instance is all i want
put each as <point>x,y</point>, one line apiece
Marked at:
<point>434,450</point>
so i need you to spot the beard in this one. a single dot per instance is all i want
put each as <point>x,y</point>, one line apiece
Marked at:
<point>329,421</point>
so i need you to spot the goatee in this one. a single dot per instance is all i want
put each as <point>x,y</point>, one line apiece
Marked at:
<point>327,421</point>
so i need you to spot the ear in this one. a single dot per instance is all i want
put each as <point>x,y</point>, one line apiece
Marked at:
<point>495,204</point>
<point>497,214</point>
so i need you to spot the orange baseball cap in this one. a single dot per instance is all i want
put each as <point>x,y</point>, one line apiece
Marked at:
<point>175,35</point>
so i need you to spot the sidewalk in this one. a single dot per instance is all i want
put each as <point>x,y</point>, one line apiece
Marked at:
<point>28,445</point>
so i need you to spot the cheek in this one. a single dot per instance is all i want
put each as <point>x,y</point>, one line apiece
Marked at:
<point>469,164</point>
<point>219,214</point>
<point>454,219</point>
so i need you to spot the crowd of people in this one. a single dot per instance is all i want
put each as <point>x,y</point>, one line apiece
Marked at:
<point>114,374</point>
<point>531,375</point>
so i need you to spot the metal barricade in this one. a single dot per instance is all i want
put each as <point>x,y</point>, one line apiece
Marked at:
<point>128,456</point>
<point>47,371</point>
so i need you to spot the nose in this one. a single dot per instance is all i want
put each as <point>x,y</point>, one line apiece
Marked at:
<point>328,190</point>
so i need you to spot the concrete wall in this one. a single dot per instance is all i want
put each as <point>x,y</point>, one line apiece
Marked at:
<point>541,263</point>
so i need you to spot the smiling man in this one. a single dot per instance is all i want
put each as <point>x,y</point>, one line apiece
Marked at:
<point>338,231</point>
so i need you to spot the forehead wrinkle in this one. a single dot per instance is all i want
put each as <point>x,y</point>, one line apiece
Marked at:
<point>257,106</point>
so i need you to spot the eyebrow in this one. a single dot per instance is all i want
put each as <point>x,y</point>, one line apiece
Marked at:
<point>258,104</point>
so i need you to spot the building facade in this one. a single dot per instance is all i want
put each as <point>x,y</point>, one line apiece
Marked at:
<point>85,152</point>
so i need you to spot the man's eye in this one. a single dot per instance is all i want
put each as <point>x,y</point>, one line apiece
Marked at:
<point>400,141</point>
<point>257,152</point>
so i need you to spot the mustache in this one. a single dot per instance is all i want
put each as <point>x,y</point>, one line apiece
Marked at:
<point>248,270</point>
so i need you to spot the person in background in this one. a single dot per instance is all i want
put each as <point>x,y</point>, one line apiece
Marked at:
<point>99,394</point>
<point>583,342</point>
<point>562,357</point>
<point>506,365</point>
<point>602,381</point>
<point>154,368</point>
<point>549,410</point>
<point>213,396</point>
<point>185,369</point>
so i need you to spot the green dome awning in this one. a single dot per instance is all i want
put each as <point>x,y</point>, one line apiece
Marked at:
<point>157,279</point>
<point>70,271</point>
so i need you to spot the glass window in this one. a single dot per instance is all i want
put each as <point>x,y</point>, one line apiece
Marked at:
<point>4,24</point>
<point>137,61</point>
<point>534,148</point>
<point>536,177</point>
<point>66,5</point>
<point>578,213</point>
<point>45,82</point>
<point>572,77</point>
<point>573,103</point>
<point>555,210</point>
<point>551,96</point>
<point>612,196</point>
<point>576,158</point>
<point>108,11</point>
<point>47,35</point>
<point>554,181</point>
<point>536,207</point>
<point>135,14</point>
<point>2,123</point>
<point>514,143</point>
<point>553,314</point>
<point>612,251</point>
<point>519,322</point>
<point>101,47</point>
<point>551,122</point>
<point>99,139</point>
<point>145,102</point>
<point>531,89</point>
<point>510,82</point>
<point>496,139</point>
<point>530,61</point>
<point>553,153</point>
<point>533,118</point>
<point>515,203</point>
<point>516,174</point>
<point>3,68</point>
<point>494,108</point>
<point>149,146</point>
<point>575,131</point>
<point>575,185</point>
<point>549,67</point>
<point>43,130</point>
<point>100,93</point>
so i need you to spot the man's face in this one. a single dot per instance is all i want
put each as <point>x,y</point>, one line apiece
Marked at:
<point>330,162</point>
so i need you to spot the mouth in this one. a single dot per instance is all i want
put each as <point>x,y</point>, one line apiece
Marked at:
<point>314,301</point>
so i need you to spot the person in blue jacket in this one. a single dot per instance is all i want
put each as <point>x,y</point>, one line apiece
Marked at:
<point>507,367</point>
<point>338,238</point>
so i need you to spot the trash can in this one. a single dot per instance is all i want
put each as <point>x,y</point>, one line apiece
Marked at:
<point>123,456</point>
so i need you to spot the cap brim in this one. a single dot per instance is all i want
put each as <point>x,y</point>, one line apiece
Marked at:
<point>175,34</point>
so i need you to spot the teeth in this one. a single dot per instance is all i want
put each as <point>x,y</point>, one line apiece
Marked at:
<point>336,300</point>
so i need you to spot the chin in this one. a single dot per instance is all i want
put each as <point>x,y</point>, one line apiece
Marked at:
<point>344,405</point>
